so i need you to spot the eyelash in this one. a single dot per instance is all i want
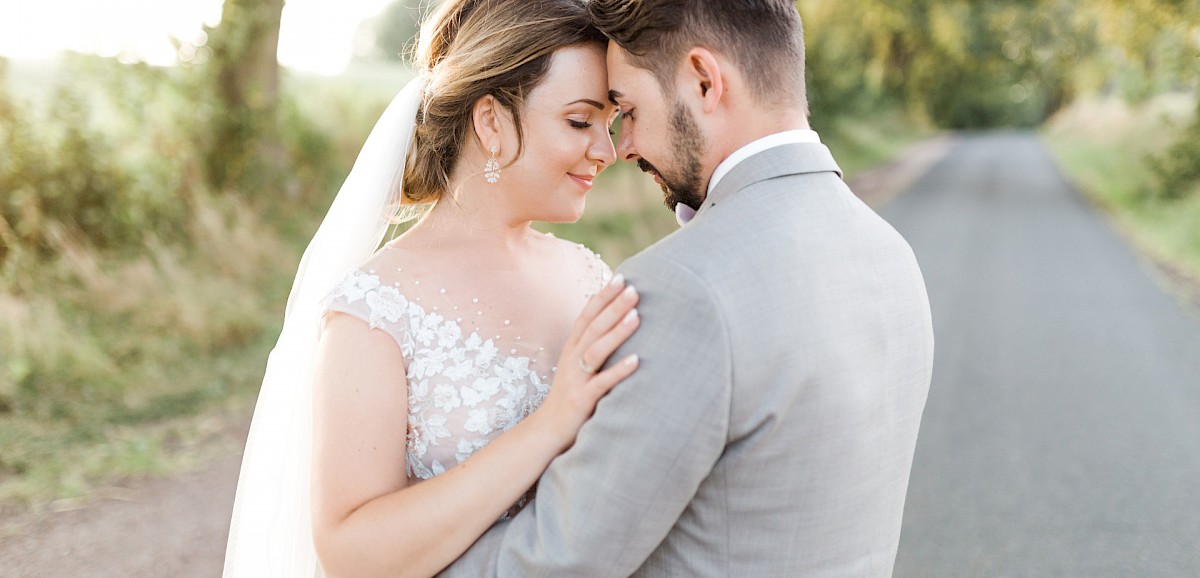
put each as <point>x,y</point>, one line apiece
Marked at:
<point>586,125</point>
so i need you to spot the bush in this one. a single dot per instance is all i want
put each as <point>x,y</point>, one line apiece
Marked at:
<point>1177,170</point>
<point>62,174</point>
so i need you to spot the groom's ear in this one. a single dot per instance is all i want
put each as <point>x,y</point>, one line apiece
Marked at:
<point>702,78</point>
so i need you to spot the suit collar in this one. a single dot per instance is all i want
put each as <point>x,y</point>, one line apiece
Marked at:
<point>780,161</point>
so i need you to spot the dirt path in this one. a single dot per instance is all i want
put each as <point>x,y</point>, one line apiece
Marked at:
<point>177,527</point>
<point>170,527</point>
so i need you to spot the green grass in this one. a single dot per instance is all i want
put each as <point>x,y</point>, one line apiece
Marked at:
<point>1103,147</point>
<point>117,367</point>
<point>138,360</point>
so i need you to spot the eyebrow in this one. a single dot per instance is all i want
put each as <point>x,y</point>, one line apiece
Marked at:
<point>588,101</point>
<point>614,95</point>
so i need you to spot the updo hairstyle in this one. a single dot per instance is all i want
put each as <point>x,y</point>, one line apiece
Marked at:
<point>472,48</point>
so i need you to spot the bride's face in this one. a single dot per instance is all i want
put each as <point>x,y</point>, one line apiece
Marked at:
<point>567,142</point>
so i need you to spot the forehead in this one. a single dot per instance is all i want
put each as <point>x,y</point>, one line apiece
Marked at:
<point>625,78</point>
<point>617,60</point>
<point>574,70</point>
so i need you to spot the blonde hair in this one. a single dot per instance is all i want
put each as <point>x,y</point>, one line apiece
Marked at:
<point>473,48</point>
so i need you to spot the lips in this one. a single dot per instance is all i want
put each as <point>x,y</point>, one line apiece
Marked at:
<point>584,181</point>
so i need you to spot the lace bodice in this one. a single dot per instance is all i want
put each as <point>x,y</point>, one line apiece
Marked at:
<point>479,347</point>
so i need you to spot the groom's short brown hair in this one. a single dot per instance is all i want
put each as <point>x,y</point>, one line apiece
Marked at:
<point>764,37</point>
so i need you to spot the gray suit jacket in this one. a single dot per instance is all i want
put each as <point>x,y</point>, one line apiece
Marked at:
<point>786,351</point>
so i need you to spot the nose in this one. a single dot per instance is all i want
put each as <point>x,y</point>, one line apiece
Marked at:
<point>625,149</point>
<point>602,152</point>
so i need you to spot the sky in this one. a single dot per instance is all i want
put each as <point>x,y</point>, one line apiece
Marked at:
<point>315,36</point>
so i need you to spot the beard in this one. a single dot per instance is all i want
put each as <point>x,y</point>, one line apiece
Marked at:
<point>682,184</point>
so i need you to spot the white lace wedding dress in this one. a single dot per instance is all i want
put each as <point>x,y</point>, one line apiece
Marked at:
<point>479,345</point>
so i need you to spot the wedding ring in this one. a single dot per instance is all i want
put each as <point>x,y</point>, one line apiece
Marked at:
<point>585,367</point>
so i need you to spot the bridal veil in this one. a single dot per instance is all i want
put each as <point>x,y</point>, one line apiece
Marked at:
<point>270,533</point>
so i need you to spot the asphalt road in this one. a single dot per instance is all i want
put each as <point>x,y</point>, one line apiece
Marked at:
<point>1062,432</point>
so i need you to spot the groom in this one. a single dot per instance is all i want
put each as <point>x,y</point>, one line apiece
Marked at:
<point>785,342</point>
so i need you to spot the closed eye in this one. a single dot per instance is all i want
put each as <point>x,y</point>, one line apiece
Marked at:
<point>579,124</point>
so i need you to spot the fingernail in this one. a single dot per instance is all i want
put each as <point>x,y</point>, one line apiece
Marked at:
<point>631,316</point>
<point>618,279</point>
<point>630,291</point>
<point>632,359</point>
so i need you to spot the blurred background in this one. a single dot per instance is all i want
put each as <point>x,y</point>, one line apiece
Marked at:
<point>164,163</point>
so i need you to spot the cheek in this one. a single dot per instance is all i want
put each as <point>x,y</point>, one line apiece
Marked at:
<point>543,189</point>
<point>554,152</point>
<point>542,171</point>
<point>565,154</point>
<point>652,140</point>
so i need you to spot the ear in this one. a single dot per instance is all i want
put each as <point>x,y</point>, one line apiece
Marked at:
<point>485,116</point>
<point>702,78</point>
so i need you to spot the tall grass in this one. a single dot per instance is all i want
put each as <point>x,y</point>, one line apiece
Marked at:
<point>133,343</point>
<point>1108,147</point>
<point>102,355</point>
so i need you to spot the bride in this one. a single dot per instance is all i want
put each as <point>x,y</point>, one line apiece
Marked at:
<point>418,390</point>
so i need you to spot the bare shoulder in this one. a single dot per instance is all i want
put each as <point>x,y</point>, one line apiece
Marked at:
<point>573,253</point>
<point>582,260</point>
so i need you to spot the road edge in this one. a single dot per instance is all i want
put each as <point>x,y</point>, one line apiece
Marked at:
<point>879,185</point>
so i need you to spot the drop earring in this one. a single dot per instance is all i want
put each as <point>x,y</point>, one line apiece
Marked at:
<point>491,171</point>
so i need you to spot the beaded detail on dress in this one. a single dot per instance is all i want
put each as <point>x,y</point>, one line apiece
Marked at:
<point>471,373</point>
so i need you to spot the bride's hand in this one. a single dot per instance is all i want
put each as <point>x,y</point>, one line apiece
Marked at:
<point>605,323</point>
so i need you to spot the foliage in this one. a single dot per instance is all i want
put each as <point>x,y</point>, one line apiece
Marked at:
<point>960,65</point>
<point>1105,146</point>
<point>242,146</point>
<point>391,35</point>
<point>977,65</point>
<point>64,174</point>
<point>121,326</point>
<point>1157,50</point>
<point>1177,170</point>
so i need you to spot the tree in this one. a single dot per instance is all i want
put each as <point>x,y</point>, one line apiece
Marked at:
<point>244,75</point>
<point>977,64</point>
<point>1160,43</point>
<point>394,31</point>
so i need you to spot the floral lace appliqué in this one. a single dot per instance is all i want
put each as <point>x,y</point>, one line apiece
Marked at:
<point>462,391</point>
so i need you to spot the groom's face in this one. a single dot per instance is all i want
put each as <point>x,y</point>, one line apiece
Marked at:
<point>657,132</point>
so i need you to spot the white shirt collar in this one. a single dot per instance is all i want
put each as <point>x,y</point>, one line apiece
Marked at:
<point>684,213</point>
